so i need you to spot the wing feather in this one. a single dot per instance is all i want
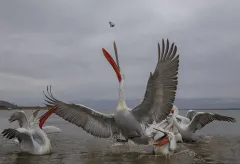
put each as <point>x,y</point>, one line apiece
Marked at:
<point>21,134</point>
<point>93,122</point>
<point>161,87</point>
<point>201,119</point>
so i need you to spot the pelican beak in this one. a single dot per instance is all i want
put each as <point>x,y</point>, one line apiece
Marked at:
<point>46,115</point>
<point>162,142</point>
<point>113,64</point>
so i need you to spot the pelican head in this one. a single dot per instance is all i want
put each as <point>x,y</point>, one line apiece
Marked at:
<point>121,100</point>
<point>16,116</point>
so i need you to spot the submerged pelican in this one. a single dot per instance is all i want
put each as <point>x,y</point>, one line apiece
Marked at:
<point>156,105</point>
<point>196,122</point>
<point>32,140</point>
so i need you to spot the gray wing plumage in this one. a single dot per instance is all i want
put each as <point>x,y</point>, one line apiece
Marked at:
<point>34,116</point>
<point>201,119</point>
<point>96,123</point>
<point>10,133</point>
<point>20,117</point>
<point>14,133</point>
<point>190,114</point>
<point>161,87</point>
<point>23,136</point>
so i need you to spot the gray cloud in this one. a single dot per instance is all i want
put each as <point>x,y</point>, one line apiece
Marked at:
<point>59,42</point>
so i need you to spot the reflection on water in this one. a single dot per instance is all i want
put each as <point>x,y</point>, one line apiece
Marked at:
<point>72,145</point>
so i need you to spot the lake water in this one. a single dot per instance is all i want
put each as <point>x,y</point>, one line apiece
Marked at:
<point>219,143</point>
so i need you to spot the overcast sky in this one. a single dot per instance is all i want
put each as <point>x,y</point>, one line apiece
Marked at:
<point>59,42</point>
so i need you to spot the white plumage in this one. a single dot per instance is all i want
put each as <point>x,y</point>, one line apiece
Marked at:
<point>194,121</point>
<point>156,105</point>
<point>30,137</point>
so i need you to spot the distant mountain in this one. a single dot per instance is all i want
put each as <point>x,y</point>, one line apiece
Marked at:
<point>6,104</point>
<point>198,103</point>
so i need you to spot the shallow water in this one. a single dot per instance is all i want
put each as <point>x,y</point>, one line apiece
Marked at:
<point>219,143</point>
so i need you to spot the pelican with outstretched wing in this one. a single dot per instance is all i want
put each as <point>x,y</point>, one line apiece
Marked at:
<point>31,139</point>
<point>197,120</point>
<point>156,104</point>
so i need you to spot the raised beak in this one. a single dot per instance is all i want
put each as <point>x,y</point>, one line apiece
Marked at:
<point>45,116</point>
<point>116,54</point>
<point>113,64</point>
<point>162,142</point>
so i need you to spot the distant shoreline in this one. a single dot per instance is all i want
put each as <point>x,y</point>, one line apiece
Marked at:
<point>46,108</point>
<point>24,108</point>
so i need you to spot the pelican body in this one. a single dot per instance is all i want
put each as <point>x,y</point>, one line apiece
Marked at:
<point>194,121</point>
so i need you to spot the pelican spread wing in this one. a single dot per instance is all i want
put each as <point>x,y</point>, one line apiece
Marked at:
<point>201,119</point>
<point>161,87</point>
<point>21,134</point>
<point>33,117</point>
<point>96,123</point>
<point>190,114</point>
<point>21,118</point>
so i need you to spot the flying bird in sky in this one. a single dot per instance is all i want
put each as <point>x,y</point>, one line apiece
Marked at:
<point>111,24</point>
